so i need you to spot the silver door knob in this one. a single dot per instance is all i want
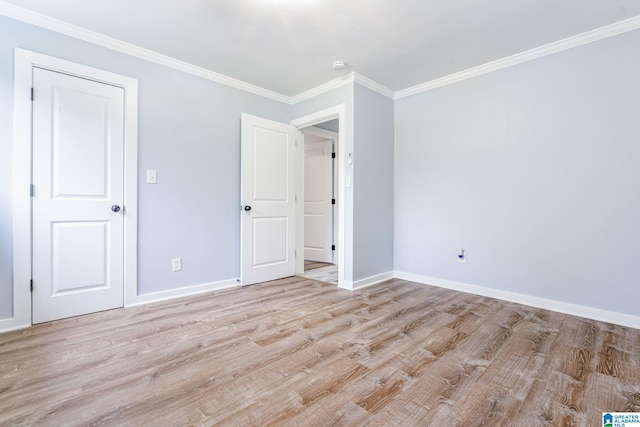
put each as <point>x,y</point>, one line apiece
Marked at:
<point>115,208</point>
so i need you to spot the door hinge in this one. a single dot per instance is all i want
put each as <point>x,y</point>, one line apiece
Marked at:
<point>31,285</point>
<point>32,96</point>
<point>333,155</point>
<point>333,247</point>
<point>31,190</point>
<point>333,201</point>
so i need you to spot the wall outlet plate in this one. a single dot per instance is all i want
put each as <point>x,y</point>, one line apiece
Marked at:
<point>176,264</point>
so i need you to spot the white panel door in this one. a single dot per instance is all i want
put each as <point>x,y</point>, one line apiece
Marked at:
<point>318,194</point>
<point>78,178</point>
<point>268,200</point>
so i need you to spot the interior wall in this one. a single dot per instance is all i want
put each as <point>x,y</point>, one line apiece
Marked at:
<point>373,184</point>
<point>189,132</point>
<point>6,153</point>
<point>533,170</point>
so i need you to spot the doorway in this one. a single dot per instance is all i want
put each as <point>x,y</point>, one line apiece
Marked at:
<point>332,116</point>
<point>274,134</point>
<point>320,202</point>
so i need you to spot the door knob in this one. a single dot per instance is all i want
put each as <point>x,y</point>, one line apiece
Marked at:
<point>115,208</point>
<point>247,208</point>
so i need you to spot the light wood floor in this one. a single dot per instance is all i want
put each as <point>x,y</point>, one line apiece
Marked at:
<point>312,265</point>
<point>320,271</point>
<point>304,353</point>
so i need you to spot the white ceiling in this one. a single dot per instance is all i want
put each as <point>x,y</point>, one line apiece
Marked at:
<point>287,46</point>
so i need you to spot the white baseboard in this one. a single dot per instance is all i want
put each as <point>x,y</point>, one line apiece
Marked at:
<point>181,292</point>
<point>548,304</point>
<point>12,324</point>
<point>368,281</point>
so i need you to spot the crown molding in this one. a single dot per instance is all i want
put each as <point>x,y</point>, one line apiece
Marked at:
<point>374,86</point>
<point>323,88</point>
<point>341,81</point>
<point>528,55</point>
<point>67,29</point>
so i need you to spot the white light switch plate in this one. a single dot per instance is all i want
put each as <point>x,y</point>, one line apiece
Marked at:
<point>151,177</point>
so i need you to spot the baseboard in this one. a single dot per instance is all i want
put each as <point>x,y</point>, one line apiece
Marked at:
<point>548,304</point>
<point>345,284</point>
<point>11,324</point>
<point>181,292</point>
<point>368,281</point>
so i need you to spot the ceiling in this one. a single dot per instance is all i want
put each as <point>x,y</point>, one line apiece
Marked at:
<point>288,46</point>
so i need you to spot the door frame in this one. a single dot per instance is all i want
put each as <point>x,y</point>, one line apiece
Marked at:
<point>337,112</point>
<point>24,62</point>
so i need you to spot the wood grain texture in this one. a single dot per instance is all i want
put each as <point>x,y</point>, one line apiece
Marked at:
<point>320,272</point>
<point>302,352</point>
<point>312,265</point>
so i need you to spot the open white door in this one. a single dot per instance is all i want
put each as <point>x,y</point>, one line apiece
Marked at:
<point>318,201</point>
<point>268,197</point>
<point>78,179</point>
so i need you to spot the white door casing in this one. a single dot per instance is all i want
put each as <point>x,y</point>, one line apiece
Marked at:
<point>268,197</point>
<point>343,141</point>
<point>24,62</point>
<point>78,181</point>
<point>318,206</point>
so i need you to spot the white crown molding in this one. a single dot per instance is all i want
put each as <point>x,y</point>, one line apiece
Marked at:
<point>341,81</point>
<point>374,86</point>
<point>528,55</point>
<point>533,301</point>
<point>323,88</point>
<point>67,29</point>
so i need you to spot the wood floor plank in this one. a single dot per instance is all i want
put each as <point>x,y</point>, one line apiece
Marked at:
<point>302,352</point>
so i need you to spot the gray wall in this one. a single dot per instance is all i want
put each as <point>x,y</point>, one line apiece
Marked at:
<point>6,153</point>
<point>534,171</point>
<point>189,131</point>
<point>373,184</point>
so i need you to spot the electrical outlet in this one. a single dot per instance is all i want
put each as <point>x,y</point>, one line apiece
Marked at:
<point>462,256</point>
<point>176,264</point>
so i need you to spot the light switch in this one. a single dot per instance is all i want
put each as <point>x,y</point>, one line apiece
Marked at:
<point>151,177</point>
<point>347,181</point>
